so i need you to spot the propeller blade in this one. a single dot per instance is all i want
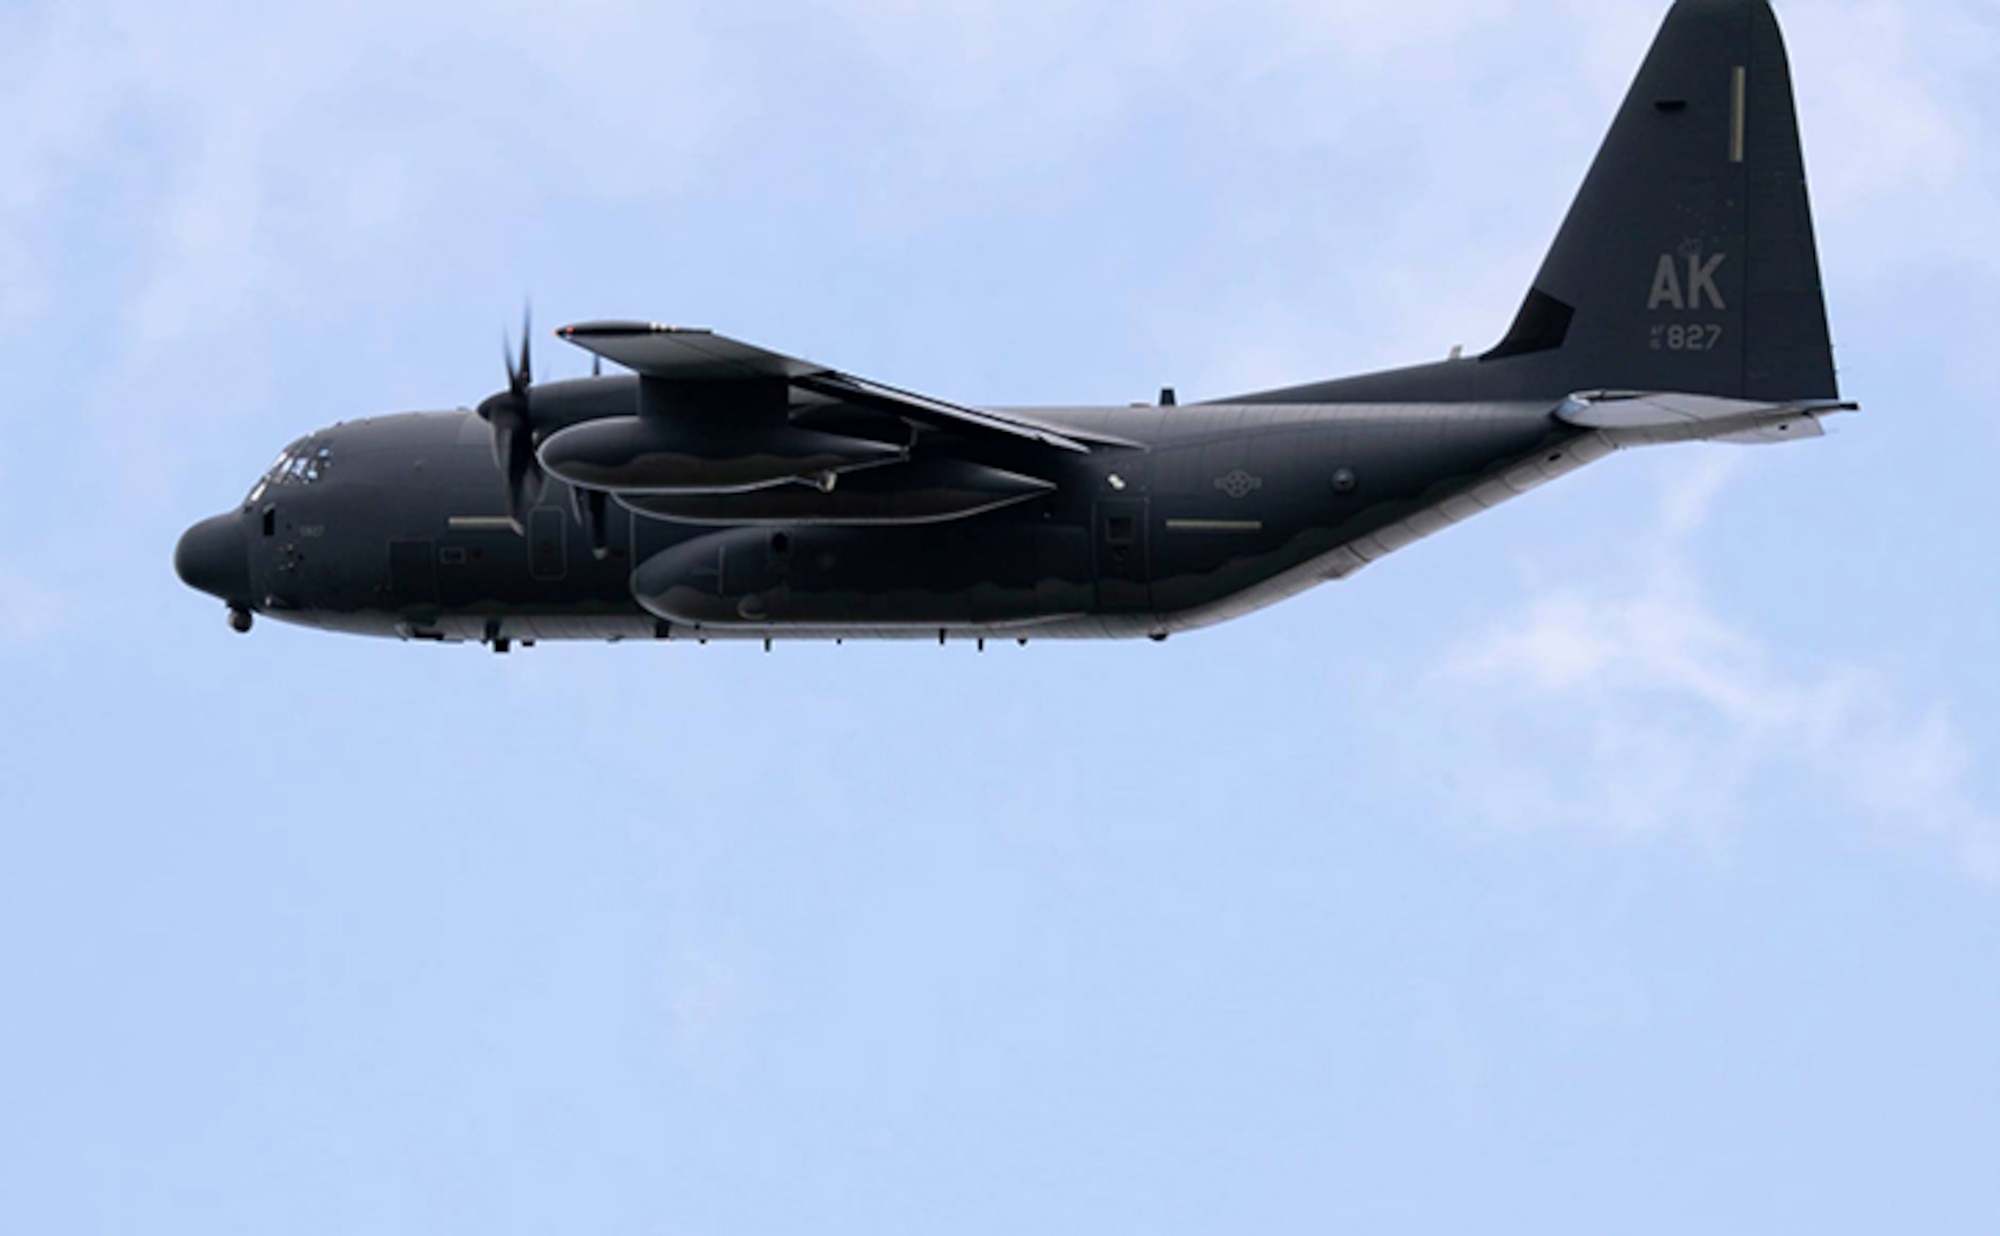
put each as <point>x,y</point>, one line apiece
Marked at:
<point>525,481</point>
<point>509,414</point>
<point>519,380</point>
<point>503,413</point>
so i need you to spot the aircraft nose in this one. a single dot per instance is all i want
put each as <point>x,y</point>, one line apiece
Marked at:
<point>214,557</point>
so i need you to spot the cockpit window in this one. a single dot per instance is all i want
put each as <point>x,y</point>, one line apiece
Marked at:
<point>303,463</point>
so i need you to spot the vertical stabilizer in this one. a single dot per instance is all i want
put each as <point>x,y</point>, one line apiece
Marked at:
<point>1688,261</point>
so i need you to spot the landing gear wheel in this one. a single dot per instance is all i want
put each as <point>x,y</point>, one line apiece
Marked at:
<point>240,619</point>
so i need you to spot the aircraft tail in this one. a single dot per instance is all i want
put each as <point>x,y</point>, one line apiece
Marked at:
<point>1687,262</point>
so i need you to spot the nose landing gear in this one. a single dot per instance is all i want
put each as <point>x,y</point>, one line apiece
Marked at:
<point>240,619</point>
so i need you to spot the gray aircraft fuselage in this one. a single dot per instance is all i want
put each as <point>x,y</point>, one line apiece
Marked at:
<point>402,532</point>
<point>720,490</point>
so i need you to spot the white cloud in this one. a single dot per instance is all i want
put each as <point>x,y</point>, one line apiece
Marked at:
<point>1641,711</point>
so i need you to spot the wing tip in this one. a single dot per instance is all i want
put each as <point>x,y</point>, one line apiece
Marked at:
<point>614,329</point>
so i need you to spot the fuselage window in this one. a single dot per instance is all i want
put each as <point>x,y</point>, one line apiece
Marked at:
<point>272,476</point>
<point>301,464</point>
<point>316,464</point>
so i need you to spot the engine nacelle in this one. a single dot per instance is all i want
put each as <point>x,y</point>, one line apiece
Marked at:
<point>922,578</point>
<point>645,454</point>
<point>919,492</point>
<point>711,436</point>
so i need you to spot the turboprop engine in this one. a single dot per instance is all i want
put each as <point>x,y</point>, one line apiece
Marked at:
<point>706,438</point>
<point>925,491</point>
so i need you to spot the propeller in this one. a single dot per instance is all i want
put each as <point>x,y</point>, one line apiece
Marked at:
<point>514,432</point>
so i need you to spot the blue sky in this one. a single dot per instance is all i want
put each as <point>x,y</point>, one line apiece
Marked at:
<point>1627,859</point>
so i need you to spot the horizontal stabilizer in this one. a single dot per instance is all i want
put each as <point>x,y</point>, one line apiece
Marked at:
<point>1802,428</point>
<point>1631,418</point>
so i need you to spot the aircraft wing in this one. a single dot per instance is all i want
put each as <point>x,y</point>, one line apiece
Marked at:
<point>686,354</point>
<point>682,353</point>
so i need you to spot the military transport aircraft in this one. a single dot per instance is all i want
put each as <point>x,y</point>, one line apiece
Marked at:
<point>720,490</point>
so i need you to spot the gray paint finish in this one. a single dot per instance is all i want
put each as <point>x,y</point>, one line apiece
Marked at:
<point>726,491</point>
